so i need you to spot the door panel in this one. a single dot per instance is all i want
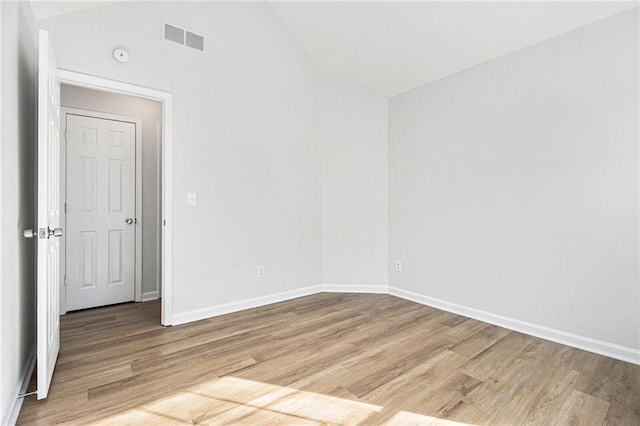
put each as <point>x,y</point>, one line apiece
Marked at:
<point>88,259</point>
<point>48,275</point>
<point>100,260</point>
<point>115,257</point>
<point>116,169</point>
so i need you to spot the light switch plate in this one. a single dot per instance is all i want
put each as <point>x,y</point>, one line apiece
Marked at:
<point>191,198</point>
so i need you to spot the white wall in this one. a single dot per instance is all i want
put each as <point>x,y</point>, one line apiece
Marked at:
<point>150,112</point>
<point>514,185</point>
<point>246,138</point>
<point>17,254</point>
<point>354,185</point>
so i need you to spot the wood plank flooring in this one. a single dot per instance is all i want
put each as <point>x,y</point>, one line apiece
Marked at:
<point>325,359</point>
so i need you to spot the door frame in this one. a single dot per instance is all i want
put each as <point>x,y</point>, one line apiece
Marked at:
<point>73,78</point>
<point>137,283</point>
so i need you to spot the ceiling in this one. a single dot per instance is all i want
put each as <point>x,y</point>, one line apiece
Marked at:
<point>48,8</point>
<point>391,47</point>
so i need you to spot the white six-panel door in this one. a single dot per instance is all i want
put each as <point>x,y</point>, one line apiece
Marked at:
<point>100,258</point>
<point>49,228</point>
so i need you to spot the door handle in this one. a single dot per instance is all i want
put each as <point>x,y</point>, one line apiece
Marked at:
<point>128,221</point>
<point>43,233</point>
<point>55,232</point>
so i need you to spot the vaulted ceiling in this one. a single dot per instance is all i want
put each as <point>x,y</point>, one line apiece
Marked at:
<point>391,47</point>
<point>44,9</point>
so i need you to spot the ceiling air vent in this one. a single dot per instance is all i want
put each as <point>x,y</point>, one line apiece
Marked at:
<point>174,34</point>
<point>183,36</point>
<point>195,41</point>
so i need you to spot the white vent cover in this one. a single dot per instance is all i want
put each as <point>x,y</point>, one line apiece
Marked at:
<point>195,41</point>
<point>174,34</point>
<point>182,36</point>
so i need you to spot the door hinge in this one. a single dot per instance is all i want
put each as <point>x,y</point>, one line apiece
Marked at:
<point>65,280</point>
<point>65,206</point>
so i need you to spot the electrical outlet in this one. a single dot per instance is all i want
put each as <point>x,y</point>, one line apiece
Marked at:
<point>260,271</point>
<point>398,266</point>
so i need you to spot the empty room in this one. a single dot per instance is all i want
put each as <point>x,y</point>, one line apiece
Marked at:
<point>317,212</point>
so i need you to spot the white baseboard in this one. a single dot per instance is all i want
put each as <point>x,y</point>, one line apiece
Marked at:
<point>574,340</point>
<point>11,416</point>
<point>149,295</point>
<point>356,288</point>
<point>227,308</point>
<point>611,350</point>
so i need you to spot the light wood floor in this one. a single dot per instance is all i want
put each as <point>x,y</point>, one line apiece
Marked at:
<point>327,358</point>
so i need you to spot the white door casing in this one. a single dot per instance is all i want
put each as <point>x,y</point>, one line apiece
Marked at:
<point>93,82</point>
<point>48,215</point>
<point>101,211</point>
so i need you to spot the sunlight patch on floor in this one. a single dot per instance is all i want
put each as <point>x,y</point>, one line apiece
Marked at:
<point>232,400</point>
<point>407,418</point>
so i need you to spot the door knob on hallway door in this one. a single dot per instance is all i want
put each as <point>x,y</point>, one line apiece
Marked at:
<point>128,221</point>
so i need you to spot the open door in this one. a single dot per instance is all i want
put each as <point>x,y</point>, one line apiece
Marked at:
<point>49,224</point>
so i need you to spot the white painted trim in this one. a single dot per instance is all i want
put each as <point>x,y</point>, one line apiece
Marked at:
<point>149,295</point>
<point>227,308</point>
<point>569,339</point>
<point>166,287</point>
<point>638,104</point>
<point>611,350</point>
<point>98,83</point>
<point>2,143</point>
<point>63,199</point>
<point>158,208</point>
<point>137,122</point>
<point>11,416</point>
<point>356,288</point>
<point>256,302</point>
<point>138,221</point>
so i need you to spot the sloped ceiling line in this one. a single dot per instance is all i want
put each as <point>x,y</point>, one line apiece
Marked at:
<point>392,47</point>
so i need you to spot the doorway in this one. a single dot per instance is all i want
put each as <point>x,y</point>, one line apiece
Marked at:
<point>111,192</point>
<point>109,106</point>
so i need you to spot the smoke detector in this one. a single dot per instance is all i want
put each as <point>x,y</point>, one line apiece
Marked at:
<point>121,55</point>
